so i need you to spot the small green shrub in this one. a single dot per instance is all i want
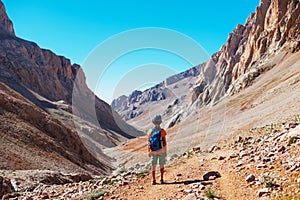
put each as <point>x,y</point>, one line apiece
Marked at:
<point>268,181</point>
<point>111,182</point>
<point>210,193</point>
<point>293,139</point>
<point>95,195</point>
<point>123,170</point>
<point>142,174</point>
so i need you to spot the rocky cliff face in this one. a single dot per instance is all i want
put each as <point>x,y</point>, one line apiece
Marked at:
<point>6,25</point>
<point>51,76</point>
<point>272,28</point>
<point>40,79</point>
<point>33,139</point>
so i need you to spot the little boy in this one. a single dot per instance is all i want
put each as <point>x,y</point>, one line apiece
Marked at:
<point>157,147</point>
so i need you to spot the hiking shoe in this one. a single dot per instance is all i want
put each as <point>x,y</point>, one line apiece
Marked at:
<point>162,181</point>
<point>154,182</point>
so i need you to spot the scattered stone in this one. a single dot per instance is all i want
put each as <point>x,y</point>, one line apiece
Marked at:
<point>294,132</point>
<point>263,191</point>
<point>281,149</point>
<point>191,196</point>
<point>257,158</point>
<point>294,167</point>
<point>221,157</point>
<point>5,187</point>
<point>206,183</point>
<point>271,154</point>
<point>185,155</point>
<point>214,158</point>
<point>266,159</point>
<point>195,186</point>
<point>240,163</point>
<point>188,191</point>
<point>293,125</point>
<point>261,165</point>
<point>207,175</point>
<point>202,187</point>
<point>243,154</point>
<point>233,155</point>
<point>257,140</point>
<point>250,178</point>
<point>197,149</point>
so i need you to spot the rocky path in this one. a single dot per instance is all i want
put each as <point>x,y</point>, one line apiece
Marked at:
<point>263,163</point>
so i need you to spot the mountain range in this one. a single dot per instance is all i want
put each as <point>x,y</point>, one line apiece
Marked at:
<point>251,50</point>
<point>249,89</point>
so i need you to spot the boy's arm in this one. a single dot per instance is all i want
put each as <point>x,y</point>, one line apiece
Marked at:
<point>148,141</point>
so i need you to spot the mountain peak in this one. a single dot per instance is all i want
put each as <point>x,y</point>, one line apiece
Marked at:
<point>6,24</point>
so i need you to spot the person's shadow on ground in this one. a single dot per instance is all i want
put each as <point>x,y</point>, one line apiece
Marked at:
<point>185,182</point>
<point>206,177</point>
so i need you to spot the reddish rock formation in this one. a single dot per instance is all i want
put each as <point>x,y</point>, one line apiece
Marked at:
<point>32,80</point>
<point>5,23</point>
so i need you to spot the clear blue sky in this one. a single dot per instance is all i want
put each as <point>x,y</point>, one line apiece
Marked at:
<point>74,28</point>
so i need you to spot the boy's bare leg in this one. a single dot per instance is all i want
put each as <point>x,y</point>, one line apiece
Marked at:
<point>162,170</point>
<point>153,172</point>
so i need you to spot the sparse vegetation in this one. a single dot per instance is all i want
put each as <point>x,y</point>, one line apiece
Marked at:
<point>142,174</point>
<point>111,182</point>
<point>123,170</point>
<point>288,197</point>
<point>95,195</point>
<point>191,152</point>
<point>268,181</point>
<point>210,193</point>
<point>293,139</point>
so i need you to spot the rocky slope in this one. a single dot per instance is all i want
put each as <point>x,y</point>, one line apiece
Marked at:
<point>33,139</point>
<point>6,25</point>
<point>273,28</point>
<point>40,126</point>
<point>250,51</point>
<point>54,78</point>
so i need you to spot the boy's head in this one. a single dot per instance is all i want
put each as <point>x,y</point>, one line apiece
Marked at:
<point>156,120</point>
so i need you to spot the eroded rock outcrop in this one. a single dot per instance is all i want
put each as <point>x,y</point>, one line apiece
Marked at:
<point>272,28</point>
<point>24,65</point>
<point>6,25</point>
<point>38,132</point>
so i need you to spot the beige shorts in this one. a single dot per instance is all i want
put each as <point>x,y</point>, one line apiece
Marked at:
<point>161,158</point>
